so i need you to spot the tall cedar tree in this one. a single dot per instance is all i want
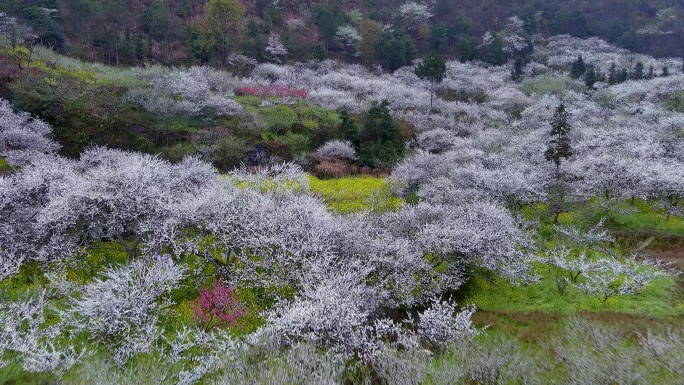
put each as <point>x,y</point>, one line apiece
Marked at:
<point>380,141</point>
<point>578,68</point>
<point>590,77</point>
<point>517,72</point>
<point>612,74</point>
<point>559,145</point>
<point>432,68</point>
<point>638,71</point>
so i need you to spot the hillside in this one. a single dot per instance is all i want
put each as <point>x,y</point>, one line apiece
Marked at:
<point>180,31</point>
<point>327,222</point>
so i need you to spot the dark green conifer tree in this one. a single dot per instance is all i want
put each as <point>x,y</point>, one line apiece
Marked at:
<point>612,74</point>
<point>517,72</point>
<point>590,77</point>
<point>578,68</point>
<point>559,144</point>
<point>380,141</point>
<point>438,38</point>
<point>432,68</point>
<point>623,75</point>
<point>638,73</point>
<point>318,52</point>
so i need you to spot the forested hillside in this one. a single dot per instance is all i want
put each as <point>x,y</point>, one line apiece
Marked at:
<point>200,31</point>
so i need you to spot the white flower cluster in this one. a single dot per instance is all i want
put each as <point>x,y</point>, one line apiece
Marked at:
<point>194,91</point>
<point>337,149</point>
<point>415,13</point>
<point>22,136</point>
<point>123,307</point>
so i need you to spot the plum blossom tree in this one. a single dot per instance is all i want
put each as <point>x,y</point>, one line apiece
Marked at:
<point>438,326</point>
<point>348,37</point>
<point>122,307</point>
<point>23,196</point>
<point>605,273</point>
<point>414,14</point>
<point>39,345</point>
<point>337,149</point>
<point>123,198</point>
<point>275,50</point>
<point>194,91</point>
<point>22,136</point>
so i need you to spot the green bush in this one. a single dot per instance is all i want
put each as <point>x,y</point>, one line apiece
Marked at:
<point>4,166</point>
<point>179,151</point>
<point>675,102</point>
<point>379,142</point>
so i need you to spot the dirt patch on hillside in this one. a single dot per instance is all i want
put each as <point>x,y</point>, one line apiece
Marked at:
<point>674,255</point>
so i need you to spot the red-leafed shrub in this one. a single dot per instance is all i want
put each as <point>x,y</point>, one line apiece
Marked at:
<point>218,306</point>
<point>275,90</point>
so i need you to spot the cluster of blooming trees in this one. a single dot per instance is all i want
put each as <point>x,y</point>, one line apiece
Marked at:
<point>192,91</point>
<point>477,155</point>
<point>265,230</point>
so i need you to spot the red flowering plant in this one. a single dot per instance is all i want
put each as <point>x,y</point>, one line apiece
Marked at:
<point>217,306</point>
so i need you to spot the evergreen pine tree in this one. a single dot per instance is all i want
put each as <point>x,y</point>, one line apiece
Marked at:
<point>517,72</point>
<point>638,71</point>
<point>666,72</point>
<point>559,148</point>
<point>349,127</point>
<point>590,77</point>
<point>651,72</point>
<point>251,43</point>
<point>493,53</point>
<point>127,49</point>
<point>380,141</point>
<point>600,76</point>
<point>139,48</point>
<point>432,68</point>
<point>623,76</point>
<point>559,145</point>
<point>438,38</point>
<point>578,68</point>
<point>318,52</point>
<point>612,74</point>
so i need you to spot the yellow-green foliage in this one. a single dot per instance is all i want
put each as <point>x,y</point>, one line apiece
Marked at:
<point>675,102</point>
<point>83,71</point>
<point>248,100</point>
<point>489,292</point>
<point>281,117</point>
<point>276,118</point>
<point>313,117</point>
<point>265,185</point>
<point>4,166</point>
<point>350,195</point>
<point>645,217</point>
<point>548,85</point>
